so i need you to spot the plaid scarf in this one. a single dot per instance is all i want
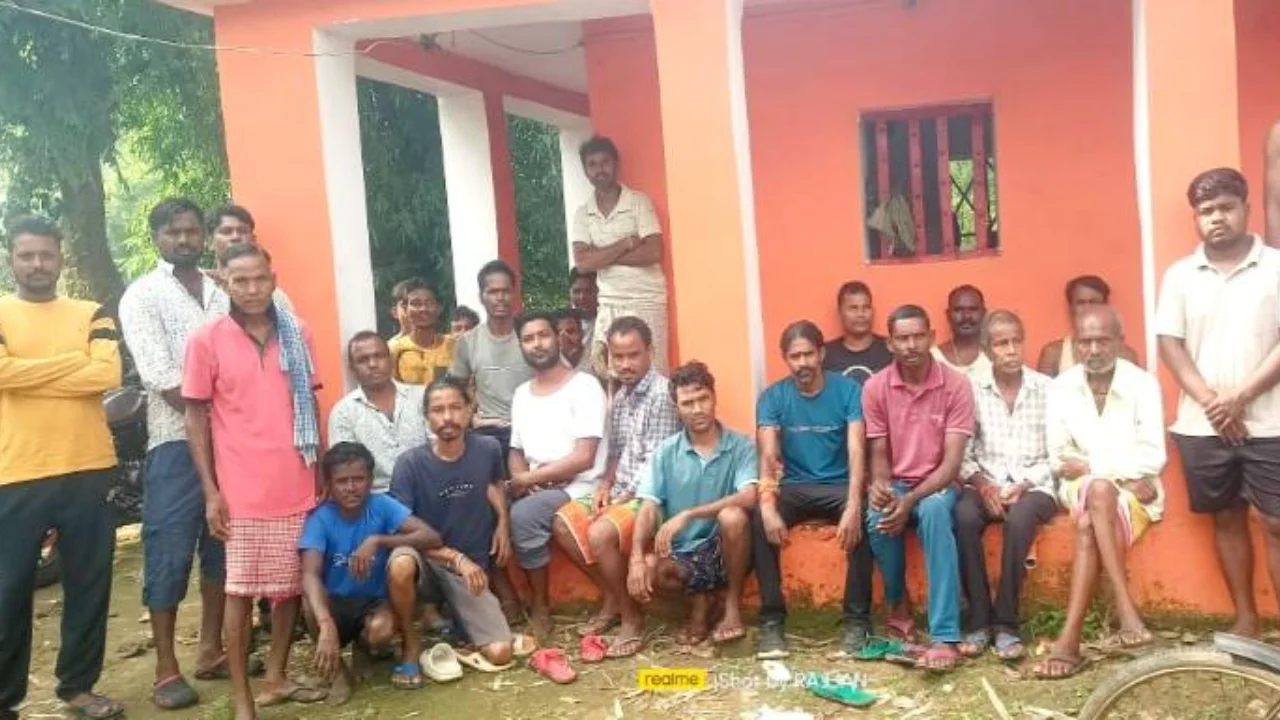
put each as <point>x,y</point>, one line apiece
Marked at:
<point>297,363</point>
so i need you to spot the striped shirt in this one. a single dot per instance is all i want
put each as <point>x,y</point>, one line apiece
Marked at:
<point>1010,446</point>
<point>641,417</point>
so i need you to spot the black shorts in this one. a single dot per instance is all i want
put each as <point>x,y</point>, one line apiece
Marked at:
<point>350,614</point>
<point>1220,476</point>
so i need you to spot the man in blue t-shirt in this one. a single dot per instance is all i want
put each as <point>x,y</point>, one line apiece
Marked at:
<point>345,546</point>
<point>810,433</point>
<point>454,484</point>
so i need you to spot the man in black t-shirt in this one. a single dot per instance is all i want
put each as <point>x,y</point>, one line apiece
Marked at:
<point>858,353</point>
<point>454,484</point>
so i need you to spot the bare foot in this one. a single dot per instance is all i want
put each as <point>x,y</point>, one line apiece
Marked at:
<point>361,663</point>
<point>541,624</point>
<point>1245,626</point>
<point>340,688</point>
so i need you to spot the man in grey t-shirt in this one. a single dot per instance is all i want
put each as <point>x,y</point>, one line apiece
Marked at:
<point>490,354</point>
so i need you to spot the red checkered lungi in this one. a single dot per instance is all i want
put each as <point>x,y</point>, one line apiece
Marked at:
<point>262,557</point>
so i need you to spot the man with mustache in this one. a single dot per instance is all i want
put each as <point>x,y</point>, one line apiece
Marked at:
<point>617,236</point>
<point>1219,334</point>
<point>557,454</point>
<point>965,309</point>
<point>1106,444</point>
<point>453,483</point>
<point>57,356</point>
<point>232,225</point>
<point>423,353</point>
<point>810,434</point>
<point>919,421</point>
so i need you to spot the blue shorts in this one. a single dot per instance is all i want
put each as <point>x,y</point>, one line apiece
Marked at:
<point>702,567</point>
<point>174,528</point>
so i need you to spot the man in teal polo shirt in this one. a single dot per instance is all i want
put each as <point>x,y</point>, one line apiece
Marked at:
<point>703,481</point>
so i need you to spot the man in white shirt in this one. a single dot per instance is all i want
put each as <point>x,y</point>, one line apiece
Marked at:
<point>1106,444</point>
<point>383,415</point>
<point>617,236</point>
<point>231,225</point>
<point>557,454</point>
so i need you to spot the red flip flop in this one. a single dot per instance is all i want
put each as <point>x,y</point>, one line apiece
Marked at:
<point>553,664</point>
<point>593,649</point>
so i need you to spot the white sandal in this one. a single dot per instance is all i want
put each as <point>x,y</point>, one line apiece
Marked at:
<point>441,664</point>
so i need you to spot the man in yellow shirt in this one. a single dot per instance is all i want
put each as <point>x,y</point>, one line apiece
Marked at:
<point>423,353</point>
<point>57,462</point>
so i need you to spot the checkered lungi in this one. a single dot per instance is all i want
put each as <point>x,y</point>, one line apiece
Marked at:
<point>263,559</point>
<point>655,316</point>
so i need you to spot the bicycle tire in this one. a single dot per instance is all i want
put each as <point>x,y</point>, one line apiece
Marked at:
<point>1159,664</point>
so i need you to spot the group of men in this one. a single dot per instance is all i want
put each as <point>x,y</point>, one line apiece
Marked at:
<point>458,453</point>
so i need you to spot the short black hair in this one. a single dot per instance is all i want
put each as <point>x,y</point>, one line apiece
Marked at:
<point>1218,181</point>
<point>564,314</point>
<point>966,288</point>
<point>630,324</point>
<point>575,275</point>
<point>398,292</point>
<point>36,225</point>
<point>800,330</point>
<point>344,453</point>
<point>168,210</point>
<point>597,144</point>
<point>445,382</point>
<point>1093,282</point>
<point>527,317</point>
<point>853,287</point>
<point>238,212</point>
<point>908,312</point>
<point>416,284</point>
<point>494,267</point>
<point>692,374</point>
<point>240,250</point>
<point>361,337</point>
<point>462,312</point>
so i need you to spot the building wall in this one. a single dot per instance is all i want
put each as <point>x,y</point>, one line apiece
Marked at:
<point>1258,26</point>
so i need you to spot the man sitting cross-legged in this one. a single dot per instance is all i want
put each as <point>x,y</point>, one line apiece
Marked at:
<point>454,484</point>
<point>1106,443</point>
<point>344,546</point>
<point>703,481</point>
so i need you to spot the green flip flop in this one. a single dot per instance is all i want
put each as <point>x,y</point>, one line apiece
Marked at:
<point>841,690</point>
<point>877,648</point>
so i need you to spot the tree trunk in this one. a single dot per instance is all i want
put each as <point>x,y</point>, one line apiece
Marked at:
<point>84,211</point>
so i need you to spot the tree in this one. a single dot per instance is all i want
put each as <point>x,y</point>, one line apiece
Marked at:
<point>540,221</point>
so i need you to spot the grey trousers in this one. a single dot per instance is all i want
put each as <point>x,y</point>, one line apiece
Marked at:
<point>531,518</point>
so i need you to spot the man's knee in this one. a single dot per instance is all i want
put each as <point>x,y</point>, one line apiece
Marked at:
<point>498,653</point>
<point>733,521</point>
<point>1101,496</point>
<point>402,571</point>
<point>602,536</point>
<point>669,577</point>
<point>934,512</point>
<point>1084,528</point>
<point>379,629</point>
<point>968,517</point>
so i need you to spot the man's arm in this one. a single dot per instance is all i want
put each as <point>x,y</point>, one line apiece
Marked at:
<point>592,258</point>
<point>200,437</point>
<point>313,587</point>
<point>341,429</point>
<point>414,533</point>
<point>947,470</point>
<point>646,251</point>
<point>1173,351</point>
<point>646,526</point>
<point>856,436</point>
<point>30,373</point>
<point>744,498</point>
<point>144,333</point>
<point>770,442</point>
<point>103,372</point>
<point>1273,186</point>
<point>563,470</point>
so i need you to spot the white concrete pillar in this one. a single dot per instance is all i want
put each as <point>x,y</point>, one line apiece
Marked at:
<point>577,188</point>
<point>468,179</point>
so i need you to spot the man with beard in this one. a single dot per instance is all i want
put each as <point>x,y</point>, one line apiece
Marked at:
<point>858,353</point>
<point>158,313</point>
<point>965,309</point>
<point>57,357</point>
<point>919,421</point>
<point>810,433</point>
<point>1106,444</point>
<point>617,236</point>
<point>557,454</point>
<point>423,353</point>
<point>569,329</point>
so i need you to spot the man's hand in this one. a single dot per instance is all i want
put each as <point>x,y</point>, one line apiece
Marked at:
<point>991,499</point>
<point>475,576</point>
<point>173,398</point>
<point>881,495</point>
<point>360,562</point>
<point>500,548</point>
<point>894,521</point>
<point>521,484</point>
<point>640,580</point>
<point>1141,488</point>
<point>1225,407</point>
<point>1233,433</point>
<point>328,654</point>
<point>1073,468</point>
<point>668,531</point>
<point>849,530</point>
<point>775,530</point>
<point>1013,493</point>
<point>600,500</point>
<point>216,514</point>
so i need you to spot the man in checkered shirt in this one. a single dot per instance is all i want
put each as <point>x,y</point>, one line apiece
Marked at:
<point>642,415</point>
<point>1007,478</point>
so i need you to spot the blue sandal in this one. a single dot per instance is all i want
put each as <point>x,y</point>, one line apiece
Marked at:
<point>975,644</point>
<point>406,676</point>
<point>1008,646</point>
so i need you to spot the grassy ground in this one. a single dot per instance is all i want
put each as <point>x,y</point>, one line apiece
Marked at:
<point>609,690</point>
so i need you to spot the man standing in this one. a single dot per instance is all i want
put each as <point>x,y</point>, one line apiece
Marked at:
<point>914,467</point>
<point>641,416</point>
<point>397,311</point>
<point>346,545</point>
<point>248,382</point>
<point>1058,356</point>
<point>1007,479</point>
<point>557,454</point>
<point>454,484</point>
<point>698,492</point>
<point>859,353</point>
<point>1106,443</point>
<point>1219,335</point>
<point>57,462</point>
<point>158,313</point>
<point>423,353</point>
<point>490,354</point>
<point>382,415</point>
<point>584,298</point>
<point>965,309</point>
<point>232,225</point>
<point>616,235</point>
<point>572,347</point>
<point>810,433</point>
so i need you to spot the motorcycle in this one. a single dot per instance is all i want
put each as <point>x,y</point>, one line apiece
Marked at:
<point>126,411</point>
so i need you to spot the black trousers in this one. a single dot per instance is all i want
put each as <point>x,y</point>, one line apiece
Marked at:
<point>1022,521</point>
<point>76,506</point>
<point>796,503</point>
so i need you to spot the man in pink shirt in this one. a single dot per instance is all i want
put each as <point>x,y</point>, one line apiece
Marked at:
<point>919,416</point>
<point>250,413</point>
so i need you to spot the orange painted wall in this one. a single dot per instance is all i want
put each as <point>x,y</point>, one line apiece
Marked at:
<point>1257,33</point>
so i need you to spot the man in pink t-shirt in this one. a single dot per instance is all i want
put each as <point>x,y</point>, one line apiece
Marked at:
<point>919,416</point>
<point>240,420</point>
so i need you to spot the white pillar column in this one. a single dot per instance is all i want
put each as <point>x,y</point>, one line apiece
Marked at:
<point>468,179</point>
<point>577,188</point>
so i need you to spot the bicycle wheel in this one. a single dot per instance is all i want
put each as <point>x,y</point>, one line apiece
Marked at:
<point>1187,684</point>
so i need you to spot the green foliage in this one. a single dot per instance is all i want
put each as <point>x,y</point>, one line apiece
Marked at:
<point>544,254</point>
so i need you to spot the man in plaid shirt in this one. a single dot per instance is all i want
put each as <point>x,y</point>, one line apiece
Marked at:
<point>641,417</point>
<point>1007,478</point>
